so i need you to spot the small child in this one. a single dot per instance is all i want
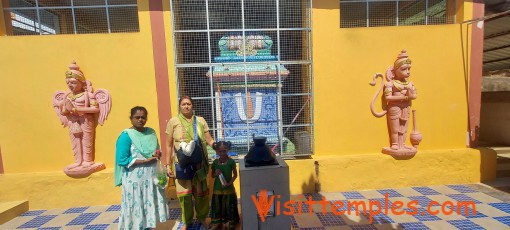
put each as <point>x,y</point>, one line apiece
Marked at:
<point>224,199</point>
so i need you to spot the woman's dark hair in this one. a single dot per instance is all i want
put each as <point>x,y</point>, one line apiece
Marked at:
<point>138,108</point>
<point>218,144</point>
<point>185,97</point>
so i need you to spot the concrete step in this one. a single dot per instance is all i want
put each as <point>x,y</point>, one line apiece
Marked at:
<point>502,174</point>
<point>503,166</point>
<point>499,182</point>
<point>502,160</point>
<point>11,209</point>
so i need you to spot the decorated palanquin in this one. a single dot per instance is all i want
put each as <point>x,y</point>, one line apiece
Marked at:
<point>247,107</point>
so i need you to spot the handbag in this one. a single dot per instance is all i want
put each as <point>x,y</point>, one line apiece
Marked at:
<point>196,155</point>
<point>184,173</point>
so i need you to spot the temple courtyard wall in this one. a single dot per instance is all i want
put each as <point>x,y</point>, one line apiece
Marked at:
<point>347,137</point>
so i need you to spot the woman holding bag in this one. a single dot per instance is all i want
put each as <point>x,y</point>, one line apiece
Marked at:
<point>136,158</point>
<point>180,132</point>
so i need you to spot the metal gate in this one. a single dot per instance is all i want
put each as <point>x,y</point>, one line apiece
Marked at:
<point>247,64</point>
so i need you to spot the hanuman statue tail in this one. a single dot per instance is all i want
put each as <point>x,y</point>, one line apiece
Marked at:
<point>373,83</point>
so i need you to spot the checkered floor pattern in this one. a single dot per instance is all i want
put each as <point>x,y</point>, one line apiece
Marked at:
<point>492,211</point>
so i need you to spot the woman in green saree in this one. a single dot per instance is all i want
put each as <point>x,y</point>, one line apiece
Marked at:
<point>180,129</point>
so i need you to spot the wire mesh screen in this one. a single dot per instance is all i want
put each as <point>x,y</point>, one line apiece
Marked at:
<point>374,13</point>
<point>255,10</point>
<point>247,64</point>
<point>436,13</point>
<point>411,13</point>
<point>42,17</point>
<point>353,14</point>
<point>382,13</point>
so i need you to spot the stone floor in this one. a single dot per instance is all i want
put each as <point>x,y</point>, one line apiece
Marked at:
<point>492,211</point>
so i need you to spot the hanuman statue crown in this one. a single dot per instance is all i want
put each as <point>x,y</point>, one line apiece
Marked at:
<point>402,58</point>
<point>75,72</point>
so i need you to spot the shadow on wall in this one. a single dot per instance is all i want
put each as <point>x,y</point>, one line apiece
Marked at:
<point>464,42</point>
<point>309,185</point>
<point>312,185</point>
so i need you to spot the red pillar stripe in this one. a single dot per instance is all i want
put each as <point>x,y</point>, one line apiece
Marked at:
<point>160,66</point>
<point>476,68</point>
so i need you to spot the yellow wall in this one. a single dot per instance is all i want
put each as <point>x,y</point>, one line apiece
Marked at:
<point>33,67</point>
<point>53,190</point>
<point>347,137</point>
<point>344,62</point>
<point>365,171</point>
<point>346,59</point>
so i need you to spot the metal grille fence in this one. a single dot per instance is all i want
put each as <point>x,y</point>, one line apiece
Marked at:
<point>247,64</point>
<point>41,17</point>
<point>374,13</point>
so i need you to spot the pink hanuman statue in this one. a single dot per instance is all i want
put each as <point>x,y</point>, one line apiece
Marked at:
<point>81,109</point>
<point>398,94</point>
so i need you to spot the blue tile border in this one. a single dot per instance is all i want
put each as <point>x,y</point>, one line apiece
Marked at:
<point>38,221</point>
<point>175,214</point>
<point>503,219</point>
<point>423,201</point>
<point>314,196</point>
<point>353,195</point>
<point>463,197</point>
<point>363,227</point>
<point>346,204</point>
<point>382,201</point>
<point>380,218</point>
<point>33,213</point>
<point>468,212</point>
<point>505,207</point>
<point>96,227</point>
<point>84,219</point>
<point>76,210</point>
<point>194,226</point>
<point>426,191</point>
<point>305,208</point>
<point>465,224</point>
<point>422,214</point>
<point>390,192</point>
<point>113,208</point>
<point>330,219</point>
<point>293,222</point>
<point>461,188</point>
<point>414,226</point>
